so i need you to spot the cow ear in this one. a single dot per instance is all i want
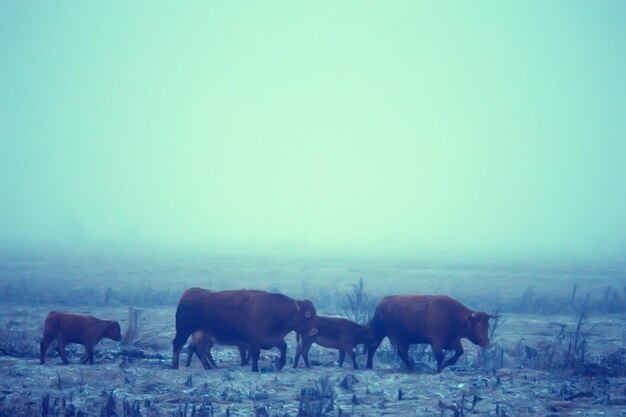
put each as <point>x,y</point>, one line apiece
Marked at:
<point>473,317</point>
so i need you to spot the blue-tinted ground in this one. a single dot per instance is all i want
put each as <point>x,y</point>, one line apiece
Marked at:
<point>530,369</point>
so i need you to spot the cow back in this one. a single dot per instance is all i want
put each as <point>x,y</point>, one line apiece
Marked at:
<point>75,328</point>
<point>419,318</point>
<point>238,315</point>
<point>338,328</point>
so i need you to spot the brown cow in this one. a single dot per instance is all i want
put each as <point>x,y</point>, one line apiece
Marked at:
<point>72,328</point>
<point>438,320</point>
<point>253,318</point>
<point>201,345</point>
<point>333,333</point>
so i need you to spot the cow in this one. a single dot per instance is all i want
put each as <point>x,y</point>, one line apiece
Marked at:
<point>438,320</point>
<point>249,317</point>
<point>202,343</point>
<point>333,333</point>
<point>72,328</point>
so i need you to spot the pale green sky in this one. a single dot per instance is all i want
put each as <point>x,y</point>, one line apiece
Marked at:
<point>388,127</point>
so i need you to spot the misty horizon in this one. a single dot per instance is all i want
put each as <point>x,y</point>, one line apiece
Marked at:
<point>389,249</point>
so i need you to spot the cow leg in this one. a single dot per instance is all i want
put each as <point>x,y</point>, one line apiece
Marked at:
<point>194,348</point>
<point>342,356</point>
<point>306,347</point>
<point>439,355</point>
<point>283,354</point>
<point>458,351</point>
<point>203,352</point>
<point>61,350</point>
<point>178,343</point>
<point>88,355</point>
<point>190,352</point>
<point>255,352</point>
<point>403,352</point>
<point>43,347</point>
<point>208,360</point>
<point>298,354</point>
<point>353,357</point>
<point>371,350</point>
<point>243,355</point>
<point>246,359</point>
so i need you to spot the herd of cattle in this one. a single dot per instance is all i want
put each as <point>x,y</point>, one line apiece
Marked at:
<point>253,320</point>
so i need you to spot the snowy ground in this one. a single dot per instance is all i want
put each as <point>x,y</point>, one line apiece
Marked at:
<point>511,379</point>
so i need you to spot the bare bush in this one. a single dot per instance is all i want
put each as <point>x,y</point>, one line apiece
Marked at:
<point>576,344</point>
<point>317,401</point>
<point>569,352</point>
<point>358,305</point>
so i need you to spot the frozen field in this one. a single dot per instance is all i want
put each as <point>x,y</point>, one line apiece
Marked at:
<point>538,363</point>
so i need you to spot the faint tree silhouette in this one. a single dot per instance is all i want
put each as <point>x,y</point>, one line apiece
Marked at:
<point>358,305</point>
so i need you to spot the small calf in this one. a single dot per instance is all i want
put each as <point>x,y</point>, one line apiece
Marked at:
<point>73,328</point>
<point>202,343</point>
<point>333,333</point>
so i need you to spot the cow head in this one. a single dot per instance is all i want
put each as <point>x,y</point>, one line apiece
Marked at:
<point>478,328</point>
<point>304,317</point>
<point>113,331</point>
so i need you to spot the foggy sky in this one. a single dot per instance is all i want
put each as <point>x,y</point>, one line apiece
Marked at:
<point>358,127</point>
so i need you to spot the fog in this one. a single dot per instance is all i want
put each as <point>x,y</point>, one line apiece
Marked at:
<point>351,131</point>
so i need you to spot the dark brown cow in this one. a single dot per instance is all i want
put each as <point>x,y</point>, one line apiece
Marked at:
<point>438,320</point>
<point>333,333</point>
<point>249,317</point>
<point>201,345</point>
<point>73,328</point>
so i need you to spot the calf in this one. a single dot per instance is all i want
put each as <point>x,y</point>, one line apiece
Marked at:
<point>333,333</point>
<point>438,320</point>
<point>73,328</point>
<point>202,343</point>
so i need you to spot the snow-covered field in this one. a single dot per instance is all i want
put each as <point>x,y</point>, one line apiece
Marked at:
<point>537,365</point>
<point>139,375</point>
